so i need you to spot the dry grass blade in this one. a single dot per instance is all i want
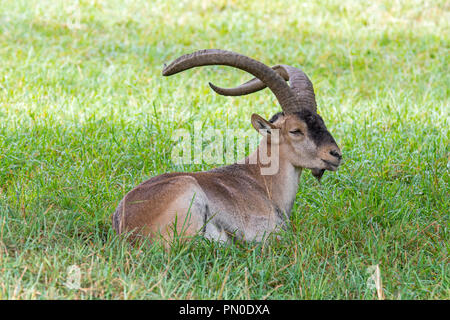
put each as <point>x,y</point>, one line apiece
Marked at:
<point>223,283</point>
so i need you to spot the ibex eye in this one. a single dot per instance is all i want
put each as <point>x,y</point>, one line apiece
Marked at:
<point>297,132</point>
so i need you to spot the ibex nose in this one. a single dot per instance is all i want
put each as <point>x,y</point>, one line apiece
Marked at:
<point>336,154</point>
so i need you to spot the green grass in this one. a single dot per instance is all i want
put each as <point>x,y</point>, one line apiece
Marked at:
<point>85,116</point>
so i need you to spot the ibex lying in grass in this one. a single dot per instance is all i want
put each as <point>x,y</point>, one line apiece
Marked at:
<point>238,201</point>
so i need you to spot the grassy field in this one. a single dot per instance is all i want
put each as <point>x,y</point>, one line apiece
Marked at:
<point>85,116</point>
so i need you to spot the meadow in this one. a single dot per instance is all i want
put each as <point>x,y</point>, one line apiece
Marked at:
<point>85,116</point>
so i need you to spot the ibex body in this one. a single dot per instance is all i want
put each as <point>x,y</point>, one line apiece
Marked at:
<point>238,201</point>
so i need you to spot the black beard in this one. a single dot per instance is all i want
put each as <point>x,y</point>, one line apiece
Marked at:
<point>318,173</point>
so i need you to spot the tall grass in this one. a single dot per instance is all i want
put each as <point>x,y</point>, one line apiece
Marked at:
<point>85,116</point>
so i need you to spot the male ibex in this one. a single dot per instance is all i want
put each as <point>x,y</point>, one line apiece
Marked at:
<point>238,201</point>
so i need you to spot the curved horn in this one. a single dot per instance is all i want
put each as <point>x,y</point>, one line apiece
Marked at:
<point>287,99</point>
<point>299,81</point>
<point>251,86</point>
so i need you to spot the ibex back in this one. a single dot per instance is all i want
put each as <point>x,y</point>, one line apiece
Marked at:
<point>238,201</point>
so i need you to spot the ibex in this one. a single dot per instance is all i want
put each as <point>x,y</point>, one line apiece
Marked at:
<point>238,202</point>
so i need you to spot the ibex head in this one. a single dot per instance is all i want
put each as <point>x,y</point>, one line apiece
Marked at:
<point>303,137</point>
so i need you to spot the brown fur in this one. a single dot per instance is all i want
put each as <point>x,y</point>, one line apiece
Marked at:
<point>235,201</point>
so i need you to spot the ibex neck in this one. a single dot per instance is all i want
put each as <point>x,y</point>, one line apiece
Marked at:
<point>281,186</point>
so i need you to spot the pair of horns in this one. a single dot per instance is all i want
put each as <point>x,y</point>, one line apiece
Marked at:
<point>299,95</point>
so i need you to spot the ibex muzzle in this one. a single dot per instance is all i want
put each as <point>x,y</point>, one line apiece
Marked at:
<point>238,201</point>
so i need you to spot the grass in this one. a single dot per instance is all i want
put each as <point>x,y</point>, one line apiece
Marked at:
<point>85,116</point>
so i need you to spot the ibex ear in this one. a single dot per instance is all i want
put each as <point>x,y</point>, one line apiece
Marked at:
<point>262,125</point>
<point>265,128</point>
